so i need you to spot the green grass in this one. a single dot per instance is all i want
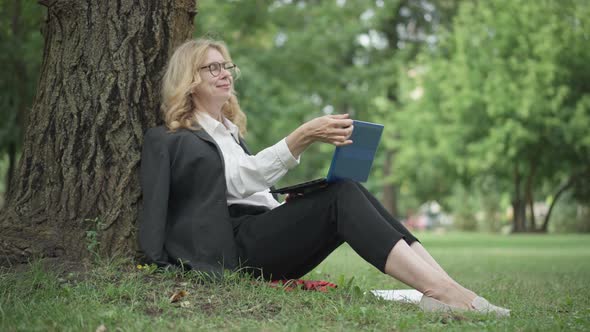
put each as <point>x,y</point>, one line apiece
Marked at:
<point>543,279</point>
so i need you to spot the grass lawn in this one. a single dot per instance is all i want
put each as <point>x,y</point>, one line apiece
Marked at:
<point>544,279</point>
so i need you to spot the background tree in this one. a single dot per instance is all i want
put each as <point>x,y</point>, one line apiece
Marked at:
<point>399,30</point>
<point>97,93</point>
<point>505,98</point>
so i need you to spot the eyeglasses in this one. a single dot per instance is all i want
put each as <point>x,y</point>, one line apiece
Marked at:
<point>215,67</point>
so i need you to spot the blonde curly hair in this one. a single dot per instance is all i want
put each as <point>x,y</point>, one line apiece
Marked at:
<point>181,78</point>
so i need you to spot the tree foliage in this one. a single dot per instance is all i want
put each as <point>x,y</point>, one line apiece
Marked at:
<point>505,96</point>
<point>20,58</point>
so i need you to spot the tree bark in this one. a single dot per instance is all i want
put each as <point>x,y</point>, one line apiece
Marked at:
<point>97,93</point>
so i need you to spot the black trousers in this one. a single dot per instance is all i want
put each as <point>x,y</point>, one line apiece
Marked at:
<point>290,240</point>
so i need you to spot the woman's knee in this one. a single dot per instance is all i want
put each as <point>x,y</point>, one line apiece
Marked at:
<point>345,185</point>
<point>346,190</point>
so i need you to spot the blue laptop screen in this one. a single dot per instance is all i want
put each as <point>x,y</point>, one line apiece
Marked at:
<point>354,161</point>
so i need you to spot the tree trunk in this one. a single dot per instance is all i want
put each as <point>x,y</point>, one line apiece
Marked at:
<point>529,196</point>
<point>565,186</point>
<point>571,181</point>
<point>389,189</point>
<point>518,205</point>
<point>97,93</point>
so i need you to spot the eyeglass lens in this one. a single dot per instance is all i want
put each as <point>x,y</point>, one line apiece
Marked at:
<point>215,67</point>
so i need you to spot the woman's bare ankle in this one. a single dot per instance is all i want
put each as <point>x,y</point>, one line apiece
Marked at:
<point>451,293</point>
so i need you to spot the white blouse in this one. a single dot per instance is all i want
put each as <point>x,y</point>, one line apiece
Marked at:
<point>248,177</point>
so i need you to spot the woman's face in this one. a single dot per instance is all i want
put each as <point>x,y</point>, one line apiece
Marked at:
<point>214,88</point>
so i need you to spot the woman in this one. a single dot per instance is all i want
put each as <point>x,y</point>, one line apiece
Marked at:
<point>207,204</point>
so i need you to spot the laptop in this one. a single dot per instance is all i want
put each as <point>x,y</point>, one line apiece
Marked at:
<point>352,161</point>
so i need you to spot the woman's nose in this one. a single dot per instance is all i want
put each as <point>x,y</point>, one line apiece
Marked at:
<point>224,73</point>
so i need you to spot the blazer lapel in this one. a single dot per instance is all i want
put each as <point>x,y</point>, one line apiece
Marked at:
<point>202,134</point>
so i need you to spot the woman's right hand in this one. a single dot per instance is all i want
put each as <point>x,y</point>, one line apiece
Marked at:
<point>332,129</point>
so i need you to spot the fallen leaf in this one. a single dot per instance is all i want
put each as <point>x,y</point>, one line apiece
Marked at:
<point>101,328</point>
<point>178,295</point>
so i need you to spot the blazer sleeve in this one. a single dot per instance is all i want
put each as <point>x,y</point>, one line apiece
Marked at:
<point>155,184</point>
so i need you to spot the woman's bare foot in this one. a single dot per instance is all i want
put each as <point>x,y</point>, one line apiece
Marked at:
<point>451,293</point>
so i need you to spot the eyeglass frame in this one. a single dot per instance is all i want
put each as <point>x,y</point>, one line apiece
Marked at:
<point>221,65</point>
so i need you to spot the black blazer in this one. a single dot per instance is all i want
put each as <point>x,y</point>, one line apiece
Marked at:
<point>185,219</point>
